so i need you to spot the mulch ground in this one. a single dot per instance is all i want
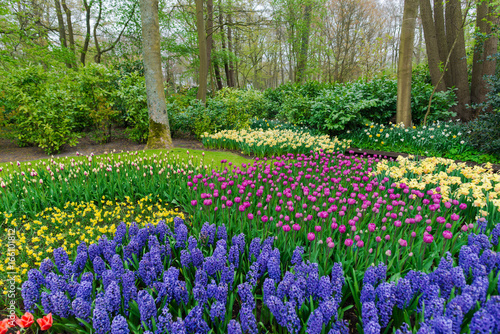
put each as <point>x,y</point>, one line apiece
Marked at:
<point>9,151</point>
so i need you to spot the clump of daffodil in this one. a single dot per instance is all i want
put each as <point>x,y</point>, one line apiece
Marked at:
<point>272,142</point>
<point>478,185</point>
<point>36,238</point>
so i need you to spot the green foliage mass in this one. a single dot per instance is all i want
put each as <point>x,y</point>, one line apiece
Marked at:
<point>334,108</point>
<point>49,107</point>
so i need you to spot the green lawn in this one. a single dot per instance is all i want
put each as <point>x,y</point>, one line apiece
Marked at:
<point>210,157</point>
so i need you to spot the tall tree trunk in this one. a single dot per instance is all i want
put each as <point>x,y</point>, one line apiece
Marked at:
<point>418,54</point>
<point>431,44</point>
<point>231,50</point>
<point>159,129</point>
<point>210,27</point>
<point>485,46</point>
<point>489,55</point>
<point>202,51</point>
<point>441,39</point>
<point>458,59</point>
<point>97,57</point>
<point>403,112</point>
<point>217,72</point>
<point>60,24</point>
<point>302,61</point>
<point>224,50</point>
<point>86,42</point>
<point>71,35</point>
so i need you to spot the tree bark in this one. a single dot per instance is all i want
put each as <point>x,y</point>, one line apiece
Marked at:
<point>202,51</point>
<point>441,39</point>
<point>431,44</point>
<point>403,112</point>
<point>60,24</point>
<point>71,35</point>
<point>302,61</point>
<point>224,49</point>
<point>485,46</point>
<point>97,57</point>
<point>215,63</point>
<point>210,27</point>
<point>230,49</point>
<point>159,129</point>
<point>458,59</point>
<point>86,42</point>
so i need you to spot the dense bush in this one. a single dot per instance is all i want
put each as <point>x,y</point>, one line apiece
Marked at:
<point>131,100</point>
<point>229,109</point>
<point>49,108</point>
<point>96,85</point>
<point>485,133</point>
<point>38,109</point>
<point>337,107</point>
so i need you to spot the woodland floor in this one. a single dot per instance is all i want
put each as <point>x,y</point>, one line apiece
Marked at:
<point>10,151</point>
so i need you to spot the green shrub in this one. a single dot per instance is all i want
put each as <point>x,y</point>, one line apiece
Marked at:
<point>338,107</point>
<point>484,133</point>
<point>131,98</point>
<point>440,107</point>
<point>96,86</point>
<point>295,108</point>
<point>40,109</point>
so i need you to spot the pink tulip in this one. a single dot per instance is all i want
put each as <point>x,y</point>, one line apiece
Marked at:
<point>428,238</point>
<point>447,234</point>
<point>348,242</point>
<point>311,236</point>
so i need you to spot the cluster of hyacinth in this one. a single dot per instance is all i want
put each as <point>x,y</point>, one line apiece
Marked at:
<point>450,299</point>
<point>155,280</point>
<point>332,200</point>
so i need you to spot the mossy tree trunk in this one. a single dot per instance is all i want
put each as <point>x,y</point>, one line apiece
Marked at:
<point>403,112</point>
<point>159,130</point>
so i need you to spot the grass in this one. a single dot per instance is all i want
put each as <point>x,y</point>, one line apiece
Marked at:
<point>215,156</point>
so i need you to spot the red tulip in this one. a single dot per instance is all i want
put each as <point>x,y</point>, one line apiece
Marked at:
<point>26,320</point>
<point>5,325</point>
<point>45,322</point>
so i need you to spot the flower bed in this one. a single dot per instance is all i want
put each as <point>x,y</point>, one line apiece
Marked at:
<point>477,185</point>
<point>153,280</point>
<point>331,203</point>
<point>35,239</point>
<point>272,142</point>
<point>439,139</point>
<point>27,189</point>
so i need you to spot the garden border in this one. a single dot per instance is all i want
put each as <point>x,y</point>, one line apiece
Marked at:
<point>386,155</point>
